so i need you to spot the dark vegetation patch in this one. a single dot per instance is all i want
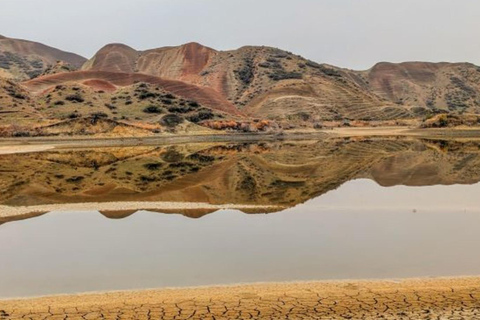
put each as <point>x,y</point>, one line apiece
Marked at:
<point>75,179</point>
<point>201,158</point>
<point>180,109</point>
<point>13,91</point>
<point>153,109</point>
<point>171,120</point>
<point>152,166</point>
<point>287,184</point>
<point>325,70</point>
<point>246,73</point>
<point>75,98</point>
<point>284,75</point>
<point>172,155</point>
<point>201,116</point>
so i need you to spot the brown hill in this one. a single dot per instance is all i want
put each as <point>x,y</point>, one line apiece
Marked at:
<point>262,82</point>
<point>226,89</point>
<point>179,63</point>
<point>446,86</point>
<point>102,79</point>
<point>22,59</point>
<point>17,107</point>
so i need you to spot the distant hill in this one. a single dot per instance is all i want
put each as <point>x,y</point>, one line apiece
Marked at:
<point>22,59</point>
<point>447,86</point>
<point>251,88</point>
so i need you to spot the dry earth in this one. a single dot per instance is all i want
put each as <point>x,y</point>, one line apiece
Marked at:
<point>408,299</point>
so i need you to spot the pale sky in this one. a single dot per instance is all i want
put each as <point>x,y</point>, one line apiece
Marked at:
<point>348,33</point>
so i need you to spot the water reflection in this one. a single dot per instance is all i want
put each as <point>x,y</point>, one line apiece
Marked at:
<point>334,217</point>
<point>264,177</point>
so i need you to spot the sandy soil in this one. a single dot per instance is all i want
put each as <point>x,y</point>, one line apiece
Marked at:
<point>448,298</point>
<point>369,131</point>
<point>24,149</point>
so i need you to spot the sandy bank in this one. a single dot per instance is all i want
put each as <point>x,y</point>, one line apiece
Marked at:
<point>448,298</point>
<point>24,149</point>
<point>443,133</point>
<point>19,145</point>
<point>8,211</point>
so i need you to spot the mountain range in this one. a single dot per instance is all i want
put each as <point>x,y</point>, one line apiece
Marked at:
<point>194,88</point>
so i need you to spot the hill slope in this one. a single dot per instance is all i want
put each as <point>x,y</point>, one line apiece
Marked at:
<point>261,82</point>
<point>447,86</point>
<point>251,88</point>
<point>22,59</point>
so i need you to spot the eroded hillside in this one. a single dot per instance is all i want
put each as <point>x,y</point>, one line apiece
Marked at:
<point>253,88</point>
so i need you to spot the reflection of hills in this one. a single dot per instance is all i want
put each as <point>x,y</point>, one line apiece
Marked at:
<point>281,174</point>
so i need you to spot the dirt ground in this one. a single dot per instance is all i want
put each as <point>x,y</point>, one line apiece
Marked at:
<point>447,298</point>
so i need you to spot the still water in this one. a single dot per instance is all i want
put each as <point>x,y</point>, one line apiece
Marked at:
<point>349,233</point>
<point>344,210</point>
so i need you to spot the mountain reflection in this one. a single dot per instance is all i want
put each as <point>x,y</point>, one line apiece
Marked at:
<point>263,177</point>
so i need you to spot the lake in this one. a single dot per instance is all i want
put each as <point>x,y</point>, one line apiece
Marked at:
<point>305,210</point>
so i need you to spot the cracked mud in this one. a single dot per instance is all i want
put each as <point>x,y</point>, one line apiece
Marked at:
<point>409,299</point>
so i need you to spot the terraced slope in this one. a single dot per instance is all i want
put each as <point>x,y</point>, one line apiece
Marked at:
<point>447,86</point>
<point>274,84</point>
<point>262,82</point>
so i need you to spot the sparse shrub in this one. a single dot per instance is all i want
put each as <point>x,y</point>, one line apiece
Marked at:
<point>147,179</point>
<point>19,134</point>
<point>152,166</point>
<point>75,98</point>
<point>171,120</point>
<point>75,179</point>
<point>201,116</point>
<point>201,158</point>
<point>193,104</point>
<point>153,109</point>
<point>245,75</point>
<point>284,75</point>
<point>180,109</point>
<point>172,155</point>
<point>146,95</point>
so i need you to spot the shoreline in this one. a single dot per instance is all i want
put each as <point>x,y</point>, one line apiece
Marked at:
<point>413,298</point>
<point>36,144</point>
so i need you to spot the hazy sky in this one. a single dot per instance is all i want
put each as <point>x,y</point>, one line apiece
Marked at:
<point>348,33</point>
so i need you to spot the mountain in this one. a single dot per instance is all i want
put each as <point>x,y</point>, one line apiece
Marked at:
<point>184,63</point>
<point>446,86</point>
<point>22,59</point>
<point>253,88</point>
<point>261,82</point>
